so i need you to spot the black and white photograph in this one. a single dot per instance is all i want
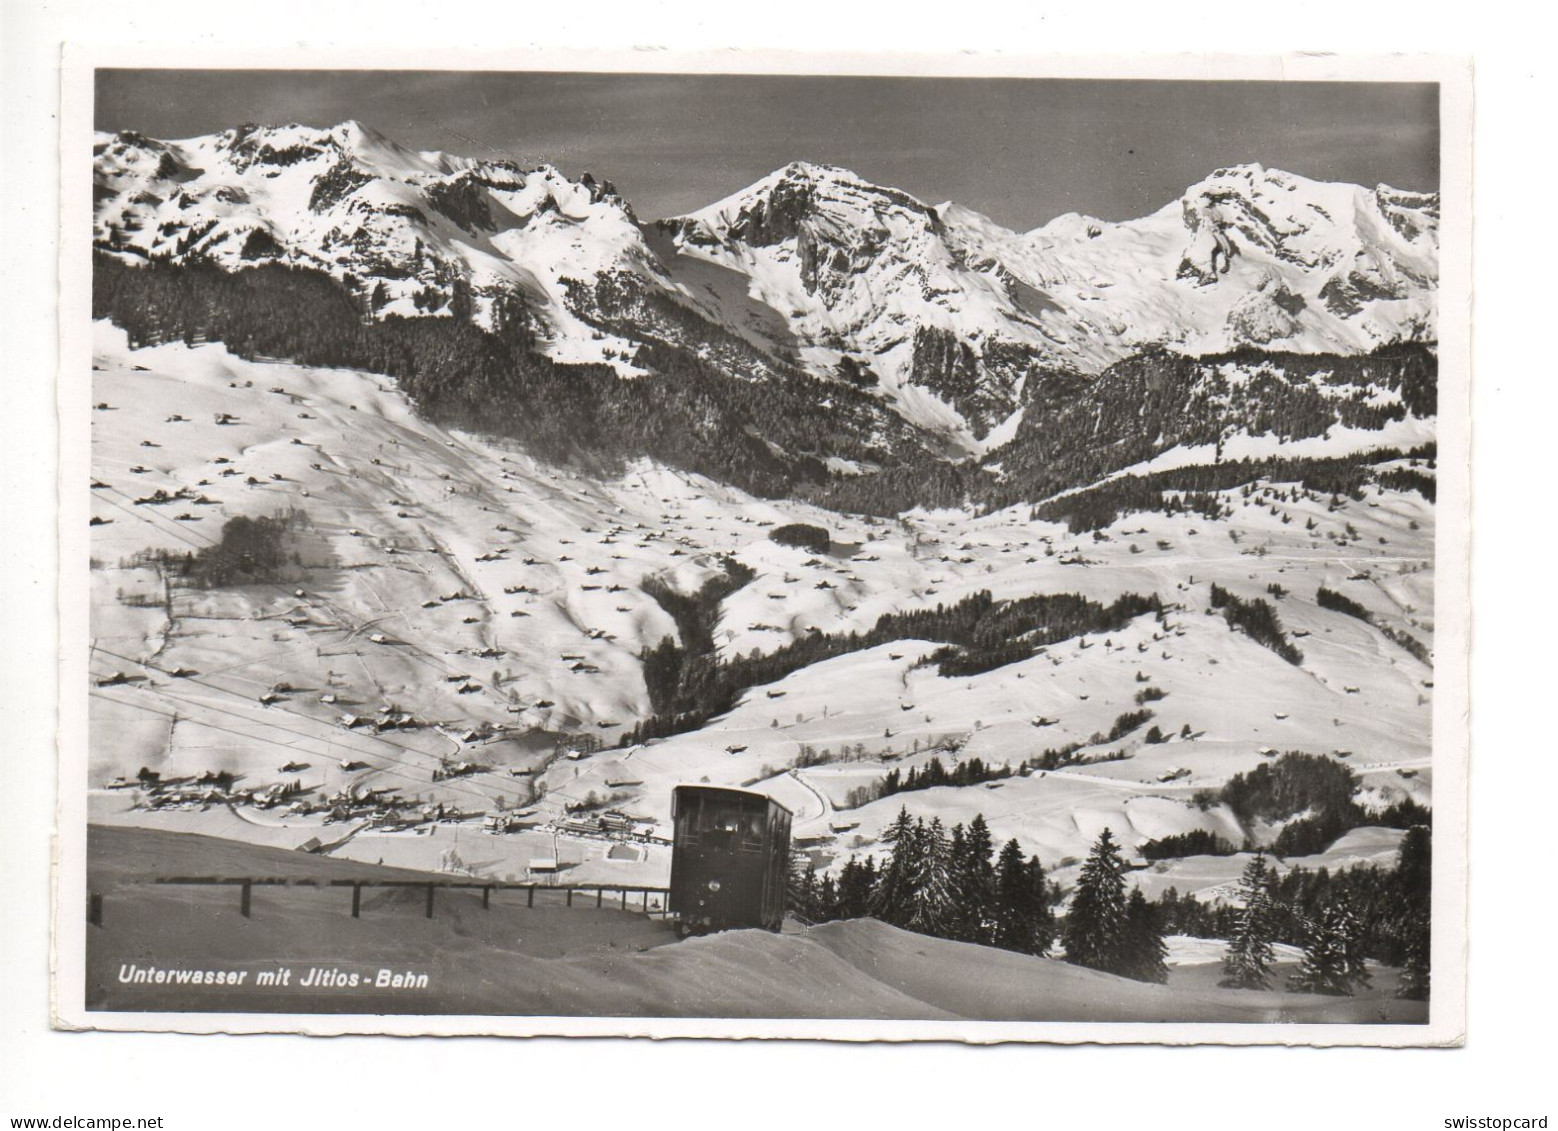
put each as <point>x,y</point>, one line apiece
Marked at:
<point>826,553</point>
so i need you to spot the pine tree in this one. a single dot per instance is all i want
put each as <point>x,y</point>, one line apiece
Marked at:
<point>1414,863</point>
<point>1142,950</point>
<point>1415,968</point>
<point>826,907</point>
<point>1041,932</point>
<point>1247,961</point>
<point>1414,882</point>
<point>1354,946</point>
<point>973,882</point>
<point>890,898</point>
<point>1010,928</point>
<point>930,889</point>
<point>1095,924</point>
<point>958,916</point>
<point>854,889</point>
<point>801,887</point>
<point>1330,964</point>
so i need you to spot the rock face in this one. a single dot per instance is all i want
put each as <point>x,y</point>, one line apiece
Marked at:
<point>413,234</point>
<point>1246,257</point>
<point>870,278</point>
<point>940,312</point>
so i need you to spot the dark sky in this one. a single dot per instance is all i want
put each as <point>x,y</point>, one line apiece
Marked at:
<point>1019,150</point>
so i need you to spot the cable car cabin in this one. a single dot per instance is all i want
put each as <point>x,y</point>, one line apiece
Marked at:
<point>729,859</point>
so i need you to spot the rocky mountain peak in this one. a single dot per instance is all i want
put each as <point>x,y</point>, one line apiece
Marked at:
<point>939,312</point>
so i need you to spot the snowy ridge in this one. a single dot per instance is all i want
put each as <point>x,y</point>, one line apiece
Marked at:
<point>414,234</point>
<point>1246,257</point>
<point>939,311</point>
<point>860,271</point>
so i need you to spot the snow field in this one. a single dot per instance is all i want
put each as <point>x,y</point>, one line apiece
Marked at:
<point>422,545</point>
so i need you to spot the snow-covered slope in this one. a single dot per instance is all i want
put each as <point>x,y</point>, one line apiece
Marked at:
<point>873,287</point>
<point>452,600</point>
<point>1248,256</point>
<point>501,605</point>
<point>940,311</point>
<point>948,310</point>
<point>411,233</point>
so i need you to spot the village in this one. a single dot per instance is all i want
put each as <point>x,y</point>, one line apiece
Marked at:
<point>362,809</point>
<point>449,666</point>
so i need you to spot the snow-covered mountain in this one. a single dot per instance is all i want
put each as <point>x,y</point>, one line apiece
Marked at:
<point>1248,256</point>
<point>937,311</point>
<point>1188,414</point>
<point>874,285</point>
<point>948,310</point>
<point>411,233</point>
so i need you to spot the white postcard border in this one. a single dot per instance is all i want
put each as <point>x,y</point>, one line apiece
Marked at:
<point>1447,1021</point>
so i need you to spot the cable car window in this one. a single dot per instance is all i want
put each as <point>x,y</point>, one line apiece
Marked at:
<point>688,819</point>
<point>752,831</point>
<point>727,825</point>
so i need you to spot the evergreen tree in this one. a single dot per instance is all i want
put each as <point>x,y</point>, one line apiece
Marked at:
<point>1247,961</point>
<point>1012,927</point>
<point>801,887</point>
<point>973,882</point>
<point>1095,924</point>
<point>1355,946</point>
<point>890,898</point>
<point>958,915</point>
<point>1415,969</point>
<point>929,889</point>
<point>826,907</point>
<point>1041,933</point>
<point>1414,863</point>
<point>854,889</point>
<point>1142,950</point>
<point>1414,879</point>
<point>1330,964</point>
<point>1021,918</point>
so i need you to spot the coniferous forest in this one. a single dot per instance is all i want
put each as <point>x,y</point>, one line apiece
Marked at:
<point>692,415</point>
<point>953,884</point>
<point>689,684</point>
<point>1258,620</point>
<point>754,421</point>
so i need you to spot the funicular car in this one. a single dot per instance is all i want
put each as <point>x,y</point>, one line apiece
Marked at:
<point>729,859</point>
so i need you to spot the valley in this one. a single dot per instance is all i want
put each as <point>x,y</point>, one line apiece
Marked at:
<point>446,516</point>
<point>499,602</point>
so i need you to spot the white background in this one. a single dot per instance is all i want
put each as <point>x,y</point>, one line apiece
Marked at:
<point>269,1082</point>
